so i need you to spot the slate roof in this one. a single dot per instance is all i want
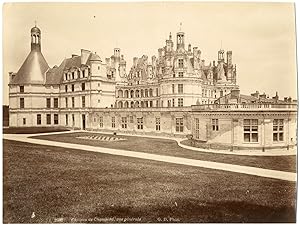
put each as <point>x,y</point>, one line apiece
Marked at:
<point>32,70</point>
<point>55,74</point>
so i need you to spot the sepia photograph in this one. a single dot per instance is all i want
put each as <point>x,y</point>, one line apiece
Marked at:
<point>149,112</point>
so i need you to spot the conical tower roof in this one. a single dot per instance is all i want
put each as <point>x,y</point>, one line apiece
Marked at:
<point>35,66</point>
<point>33,69</point>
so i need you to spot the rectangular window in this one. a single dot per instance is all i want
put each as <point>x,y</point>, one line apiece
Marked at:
<point>179,125</point>
<point>21,89</point>
<point>140,123</point>
<point>180,74</point>
<point>157,124</point>
<point>48,119</point>
<point>73,75</point>
<point>55,102</point>
<point>151,103</point>
<point>180,88</point>
<point>101,121</point>
<point>215,124</point>
<point>22,103</point>
<point>180,102</point>
<point>66,102</point>
<point>66,88</point>
<point>124,122</point>
<point>113,122</point>
<point>67,119</point>
<point>73,88</point>
<point>73,102</point>
<point>173,102</point>
<point>82,86</point>
<point>278,130</point>
<point>48,102</point>
<point>197,128</point>
<point>24,121</point>
<point>157,92</point>
<point>39,119</point>
<point>73,119</point>
<point>83,73</point>
<point>180,63</point>
<point>173,88</point>
<point>56,119</point>
<point>83,101</point>
<point>250,130</point>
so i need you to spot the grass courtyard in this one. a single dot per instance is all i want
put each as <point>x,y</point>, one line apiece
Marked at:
<point>170,147</point>
<point>64,185</point>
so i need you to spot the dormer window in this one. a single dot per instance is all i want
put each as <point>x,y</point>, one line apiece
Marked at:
<point>21,89</point>
<point>73,75</point>
<point>66,76</point>
<point>180,63</point>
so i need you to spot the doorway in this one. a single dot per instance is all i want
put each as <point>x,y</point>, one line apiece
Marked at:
<point>83,122</point>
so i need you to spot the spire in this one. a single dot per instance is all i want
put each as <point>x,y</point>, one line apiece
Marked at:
<point>180,26</point>
<point>170,36</point>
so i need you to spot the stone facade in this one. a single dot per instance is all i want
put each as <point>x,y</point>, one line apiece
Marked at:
<point>173,94</point>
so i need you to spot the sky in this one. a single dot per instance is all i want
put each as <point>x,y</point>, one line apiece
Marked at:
<point>261,35</point>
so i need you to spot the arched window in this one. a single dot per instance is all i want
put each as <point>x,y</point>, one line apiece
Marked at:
<point>126,104</point>
<point>120,93</point>
<point>137,93</point>
<point>131,94</point>
<point>137,104</point>
<point>132,104</point>
<point>146,92</point>
<point>120,105</point>
<point>150,92</point>
<point>142,93</point>
<point>126,93</point>
<point>142,104</point>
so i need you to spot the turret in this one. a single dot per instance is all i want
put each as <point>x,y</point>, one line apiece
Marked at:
<point>117,52</point>
<point>35,39</point>
<point>35,66</point>
<point>221,55</point>
<point>180,40</point>
<point>169,43</point>
<point>122,67</point>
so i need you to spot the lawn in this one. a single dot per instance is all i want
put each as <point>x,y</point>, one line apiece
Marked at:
<point>170,147</point>
<point>65,185</point>
<point>32,130</point>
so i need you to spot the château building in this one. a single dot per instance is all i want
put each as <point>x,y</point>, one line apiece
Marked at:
<point>172,94</point>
